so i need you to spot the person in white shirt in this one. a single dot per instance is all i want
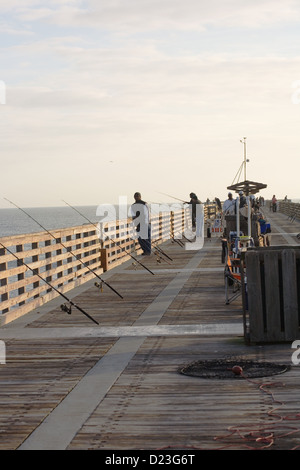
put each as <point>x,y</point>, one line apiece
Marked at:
<point>229,205</point>
<point>229,208</point>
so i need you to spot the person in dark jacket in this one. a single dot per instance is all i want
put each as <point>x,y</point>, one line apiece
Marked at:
<point>140,213</point>
<point>194,201</point>
<point>243,200</point>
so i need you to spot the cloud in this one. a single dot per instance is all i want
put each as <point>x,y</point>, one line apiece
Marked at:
<point>132,16</point>
<point>158,98</point>
<point>45,97</point>
<point>94,81</point>
<point>8,29</point>
<point>148,15</point>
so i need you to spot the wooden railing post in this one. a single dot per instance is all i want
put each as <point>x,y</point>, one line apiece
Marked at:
<point>35,258</point>
<point>21,276</point>
<point>66,260</point>
<point>104,259</point>
<point>3,281</point>
<point>49,265</point>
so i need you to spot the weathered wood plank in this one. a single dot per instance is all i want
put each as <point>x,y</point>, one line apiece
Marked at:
<point>290,295</point>
<point>272,296</point>
<point>53,258</point>
<point>255,299</point>
<point>150,406</point>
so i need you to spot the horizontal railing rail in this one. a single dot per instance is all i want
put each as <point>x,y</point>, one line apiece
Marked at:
<point>22,290</point>
<point>291,209</point>
<point>69,257</point>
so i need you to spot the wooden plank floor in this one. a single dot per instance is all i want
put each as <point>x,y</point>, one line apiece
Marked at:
<point>150,405</point>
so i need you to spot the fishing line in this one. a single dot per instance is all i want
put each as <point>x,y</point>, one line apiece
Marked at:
<point>185,202</point>
<point>257,436</point>
<point>262,434</point>
<point>66,248</point>
<point>63,307</point>
<point>124,249</point>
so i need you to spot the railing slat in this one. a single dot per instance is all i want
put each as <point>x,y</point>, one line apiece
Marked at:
<point>54,258</point>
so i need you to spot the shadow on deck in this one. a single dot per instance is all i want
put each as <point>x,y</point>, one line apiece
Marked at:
<point>68,384</point>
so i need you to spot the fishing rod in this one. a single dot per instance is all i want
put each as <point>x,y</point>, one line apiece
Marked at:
<point>66,248</point>
<point>159,249</point>
<point>177,199</point>
<point>176,240</point>
<point>63,307</point>
<point>183,236</point>
<point>127,252</point>
<point>160,255</point>
<point>185,202</point>
<point>162,252</point>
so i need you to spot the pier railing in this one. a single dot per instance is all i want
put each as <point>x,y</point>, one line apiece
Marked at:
<point>291,209</point>
<point>22,290</point>
<point>69,258</point>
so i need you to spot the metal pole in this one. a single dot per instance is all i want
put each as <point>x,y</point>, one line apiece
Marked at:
<point>249,215</point>
<point>238,217</point>
<point>245,159</point>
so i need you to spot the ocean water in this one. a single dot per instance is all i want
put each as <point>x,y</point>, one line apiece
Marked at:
<point>15,222</point>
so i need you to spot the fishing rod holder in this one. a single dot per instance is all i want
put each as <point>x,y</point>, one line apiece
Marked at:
<point>99,285</point>
<point>66,308</point>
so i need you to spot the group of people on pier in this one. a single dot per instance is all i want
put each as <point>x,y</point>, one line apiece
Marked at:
<point>140,214</point>
<point>229,206</point>
<point>229,209</point>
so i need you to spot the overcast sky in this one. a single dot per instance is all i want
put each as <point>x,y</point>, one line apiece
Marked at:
<point>102,98</point>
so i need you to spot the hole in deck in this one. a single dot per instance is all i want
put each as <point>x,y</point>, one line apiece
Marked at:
<point>223,369</point>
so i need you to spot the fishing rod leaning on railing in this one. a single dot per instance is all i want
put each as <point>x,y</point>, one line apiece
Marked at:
<point>110,239</point>
<point>63,307</point>
<point>173,236</point>
<point>176,240</point>
<point>159,252</point>
<point>66,248</point>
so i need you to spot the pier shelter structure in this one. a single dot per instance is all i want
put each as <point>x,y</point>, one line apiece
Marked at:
<point>69,384</point>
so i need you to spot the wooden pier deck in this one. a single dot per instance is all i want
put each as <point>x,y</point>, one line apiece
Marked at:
<point>69,384</point>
